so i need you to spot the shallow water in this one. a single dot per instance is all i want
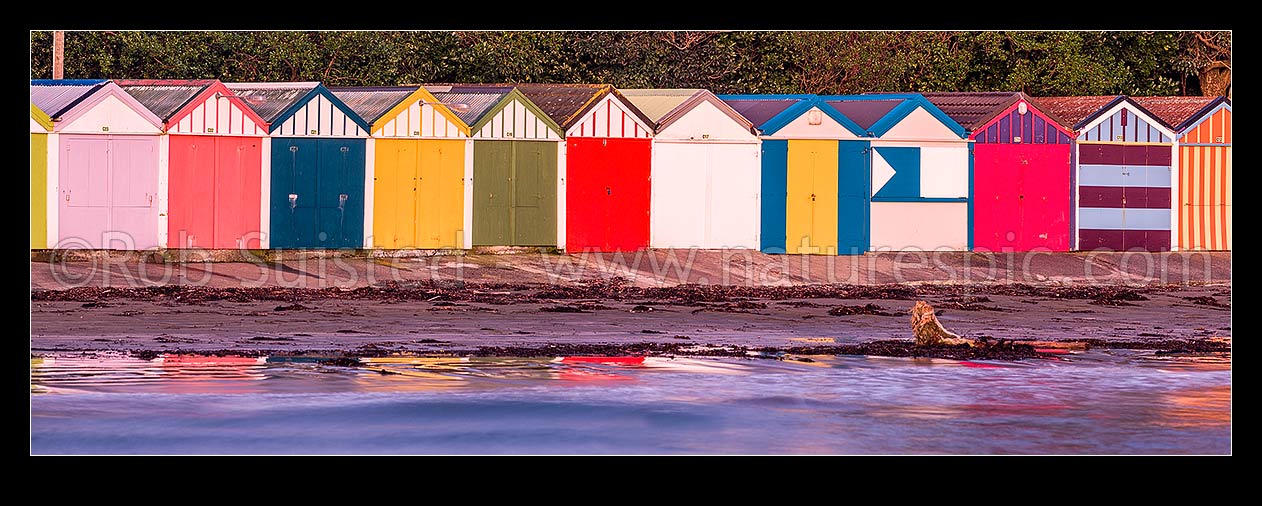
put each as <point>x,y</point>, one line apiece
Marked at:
<point>1096,402</point>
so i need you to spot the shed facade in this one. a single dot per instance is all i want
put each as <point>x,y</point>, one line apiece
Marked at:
<point>1124,181</point>
<point>1203,144</point>
<point>41,128</point>
<point>1021,170</point>
<point>213,175</point>
<point>608,160</point>
<point>421,166</point>
<point>516,174</point>
<point>815,175</point>
<point>108,165</point>
<point>706,171</point>
<point>921,177</point>
<point>318,165</point>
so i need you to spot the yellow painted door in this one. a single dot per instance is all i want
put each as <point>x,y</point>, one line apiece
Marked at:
<point>395,193</point>
<point>441,194</point>
<point>39,197</point>
<point>811,206</point>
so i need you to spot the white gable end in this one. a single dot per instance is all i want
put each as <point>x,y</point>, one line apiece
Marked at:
<point>420,120</point>
<point>515,121</point>
<point>110,116</point>
<point>705,121</point>
<point>920,125</point>
<point>220,116</point>
<point>320,118</point>
<point>801,128</point>
<point>610,118</point>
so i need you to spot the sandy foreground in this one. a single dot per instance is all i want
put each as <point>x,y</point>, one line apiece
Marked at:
<point>539,304</point>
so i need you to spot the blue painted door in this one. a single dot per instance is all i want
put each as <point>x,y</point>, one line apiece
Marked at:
<point>853,204</point>
<point>317,197</point>
<point>775,190</point>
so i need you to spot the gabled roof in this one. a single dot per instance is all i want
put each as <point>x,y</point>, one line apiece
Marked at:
<point>479,98</point>
<point>895,107</point>
<point>761,109</point>
<point>663,106</point>
<point>566,104</point>
<point>62,99</point>
<point>484,101</point>
<point>173,99</point>
<point>57,96</point>
<point>373,102</point>
<point>164,97</point>
<point>1077,111</point>
<point>275,102</point>
<point>1180,112</point>
<point>1083,110</point>
<point>973,110</point>
<point>40,117</point>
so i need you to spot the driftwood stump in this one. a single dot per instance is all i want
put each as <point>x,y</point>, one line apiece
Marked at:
<point>929,332</point>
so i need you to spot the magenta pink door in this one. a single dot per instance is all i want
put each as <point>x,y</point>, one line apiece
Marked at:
<point>1021,197</point>
<point>109,192</point>
<point>214,192</point>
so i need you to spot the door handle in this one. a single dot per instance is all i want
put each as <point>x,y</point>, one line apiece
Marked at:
<point>608,191</point>
<point>293,201</point>
<point>812,197</point>
<point>341,201</point>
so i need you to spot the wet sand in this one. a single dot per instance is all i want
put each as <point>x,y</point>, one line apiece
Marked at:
<point>616,317</point>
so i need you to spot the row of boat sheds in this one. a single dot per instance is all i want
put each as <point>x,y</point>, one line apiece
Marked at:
<point>140,164</point>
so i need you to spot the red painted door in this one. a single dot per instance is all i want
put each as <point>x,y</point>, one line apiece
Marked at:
<point>214,192</point>
<point>239,166</point>
<point>1021,197</point>
<point>607,194</point>
<point>191,196</point>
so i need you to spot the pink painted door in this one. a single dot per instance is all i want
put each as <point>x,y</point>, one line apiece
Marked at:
<point>109,189</point>
<point>83,203</point>
<point>191,181</point>
<point>134,191</point>
<point>239,166</point>
<point>1021,197</point>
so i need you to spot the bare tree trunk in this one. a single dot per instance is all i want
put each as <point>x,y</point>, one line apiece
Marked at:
<point>59,49</point>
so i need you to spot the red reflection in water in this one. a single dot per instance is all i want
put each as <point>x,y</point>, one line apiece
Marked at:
<point>192,373</point>
<point>603,360</point>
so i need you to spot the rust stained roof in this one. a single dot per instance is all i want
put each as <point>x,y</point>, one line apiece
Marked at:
<point>164,97</point>
<point>1074,110</point>
<point>373,102</point>
<point>972,110</point>
<point>478,99</point>
<point>567,103</point>
<point>1178,111</point>
<point>269,100</point>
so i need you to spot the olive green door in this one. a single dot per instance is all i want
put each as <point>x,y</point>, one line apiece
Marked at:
<point>514,193</point>
<point>535,193</point>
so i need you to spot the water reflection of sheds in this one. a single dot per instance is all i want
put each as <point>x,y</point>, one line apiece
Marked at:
<point>93,370</point>
<point>206,367</point>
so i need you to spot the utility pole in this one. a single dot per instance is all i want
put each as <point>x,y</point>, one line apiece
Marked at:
<point>59,49</point>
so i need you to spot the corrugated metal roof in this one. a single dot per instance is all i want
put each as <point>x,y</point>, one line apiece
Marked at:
<point>55,97</point>
<point>564,103</point>
<point>1178,111</point>
<point>758,111</point>
<point>269,100</point>
<point>973,109</point>
<point>164,97</point>
<point>372,102</point>
<point>864,113</point>
<point>1073,110</point>
<point>658,102</point>
<point>478,98</point>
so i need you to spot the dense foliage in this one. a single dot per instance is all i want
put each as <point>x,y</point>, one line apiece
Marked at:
<point>1039,63</point>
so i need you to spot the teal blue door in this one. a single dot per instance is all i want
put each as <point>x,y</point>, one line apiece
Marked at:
<point>317,198</point>
<point>853,196</point>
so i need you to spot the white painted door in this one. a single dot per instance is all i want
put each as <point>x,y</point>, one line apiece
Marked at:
<point>735,183</point>
<point>705,195</point>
